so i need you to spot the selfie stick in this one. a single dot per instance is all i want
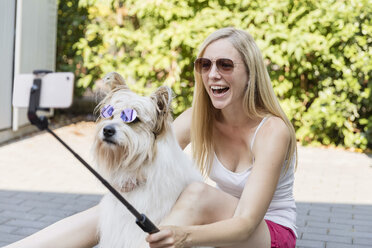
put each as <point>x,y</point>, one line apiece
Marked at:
<point>42,123</point>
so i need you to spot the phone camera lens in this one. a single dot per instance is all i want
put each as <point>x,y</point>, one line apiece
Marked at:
<point>68,78</point>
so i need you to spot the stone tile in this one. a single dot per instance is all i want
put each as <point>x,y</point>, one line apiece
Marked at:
<point>9,238</point>
<point>363,241</point>
<point>329,225</point>
<point>25,231</point>
<point>310,243</point>
<point>326,237</point>
<point>340,245</point>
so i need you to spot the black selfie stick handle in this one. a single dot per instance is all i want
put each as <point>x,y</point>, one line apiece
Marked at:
<point>146,224</point>
<point>42,123</point>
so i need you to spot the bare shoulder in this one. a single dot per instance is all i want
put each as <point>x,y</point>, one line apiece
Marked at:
<point>273,138</point>
<point>181,127</point>
<point>183,120</point>
<point>276,124</point>
<point>275,131</point>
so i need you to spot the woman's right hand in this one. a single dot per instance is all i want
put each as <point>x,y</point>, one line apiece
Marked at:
<point>168,237</point>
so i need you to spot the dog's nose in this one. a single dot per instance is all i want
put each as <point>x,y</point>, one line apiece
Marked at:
<point>108,131</point>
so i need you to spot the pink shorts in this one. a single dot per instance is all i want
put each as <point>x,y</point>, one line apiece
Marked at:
<point>281,236</point>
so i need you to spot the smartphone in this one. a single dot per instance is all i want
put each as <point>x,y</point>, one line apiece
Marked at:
<point>56,90</point>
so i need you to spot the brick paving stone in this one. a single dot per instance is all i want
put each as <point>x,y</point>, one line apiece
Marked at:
<point>351,221</point>
<point>92,198</point>
<point>326,237</point>
<point>7,229</point>
<point>313,230</point>
<point>310,243</point>
<point>40,204</point>
<point>363,241</point>
<point>19,208</point>
<point>363,228</point>
<point>363,211</point>
<point>11,200</point>
<point>350,233</point>
<point>27,223</point>
<point>78,206</point>
<point>5,194</point>
<point>324,218</point>
<point>340,245</point>
<point>9,238</point>
<point>63,199</point>
<point>32,196</point>
<point>360,216</point>
<point>300,222</point>
<point>342,210</point>
<point>53,212</point>
<point>319,213</point>
<point>3,219</point>
<point>25,231</point>
<point>49,219</point>
<point>329,225</point>
<point>20,215</point>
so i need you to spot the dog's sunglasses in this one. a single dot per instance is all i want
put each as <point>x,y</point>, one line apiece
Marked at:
<point>224,66</point>
<point>128,115</point>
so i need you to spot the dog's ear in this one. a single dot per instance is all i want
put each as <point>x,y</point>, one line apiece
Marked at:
<point>113,79</point>
<point>163,99</point>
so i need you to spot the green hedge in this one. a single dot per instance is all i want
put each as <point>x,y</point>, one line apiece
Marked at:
<point>318,54</point>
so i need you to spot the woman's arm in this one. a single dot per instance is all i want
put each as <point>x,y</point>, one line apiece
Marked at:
<point>76,231</point>
<point>270,149</point>
<point>181,128</point>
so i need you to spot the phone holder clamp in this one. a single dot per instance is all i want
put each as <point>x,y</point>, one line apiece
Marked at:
<point>41,122</point>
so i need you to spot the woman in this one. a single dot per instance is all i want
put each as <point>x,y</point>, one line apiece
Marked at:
<point>242,140</point>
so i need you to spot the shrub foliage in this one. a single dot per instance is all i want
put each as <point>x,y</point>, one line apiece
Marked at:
<point>318,53</point>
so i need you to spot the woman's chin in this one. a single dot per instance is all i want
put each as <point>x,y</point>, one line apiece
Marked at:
<point>219,104</point>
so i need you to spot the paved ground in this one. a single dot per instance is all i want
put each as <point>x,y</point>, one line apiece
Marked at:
<point>41,182</point>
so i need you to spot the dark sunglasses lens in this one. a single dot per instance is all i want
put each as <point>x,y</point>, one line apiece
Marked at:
<point>128,115</point>
<point>225,65</point>
<point>202,65</point>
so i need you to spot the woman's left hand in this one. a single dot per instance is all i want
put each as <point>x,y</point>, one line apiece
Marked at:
<point>167,237</point>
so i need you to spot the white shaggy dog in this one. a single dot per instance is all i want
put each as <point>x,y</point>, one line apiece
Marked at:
<point>141,158</point>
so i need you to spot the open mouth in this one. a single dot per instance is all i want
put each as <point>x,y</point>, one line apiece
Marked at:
<point>219,90</point>
<point>109,141</point>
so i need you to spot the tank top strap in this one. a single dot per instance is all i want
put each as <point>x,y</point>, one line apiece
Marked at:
<point>258,128</point>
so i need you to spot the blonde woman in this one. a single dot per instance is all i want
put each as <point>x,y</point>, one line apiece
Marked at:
<point>243,141</point>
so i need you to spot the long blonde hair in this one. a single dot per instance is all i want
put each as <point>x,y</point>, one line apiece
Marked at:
<point>259,99</point>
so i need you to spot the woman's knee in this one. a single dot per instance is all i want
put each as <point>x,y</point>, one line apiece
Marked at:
<point>206,203</point>
<point>194,197</point>
<point>195,191</point>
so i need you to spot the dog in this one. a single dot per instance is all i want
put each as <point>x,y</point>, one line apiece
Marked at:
<point>136,151</point>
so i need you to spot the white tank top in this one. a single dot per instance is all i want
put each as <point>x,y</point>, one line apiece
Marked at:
<point>282,209</point>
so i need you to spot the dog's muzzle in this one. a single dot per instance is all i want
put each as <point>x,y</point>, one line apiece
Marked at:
<point>108,133</point>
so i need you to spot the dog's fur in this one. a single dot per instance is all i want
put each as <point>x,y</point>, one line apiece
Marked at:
<point>142,160</point>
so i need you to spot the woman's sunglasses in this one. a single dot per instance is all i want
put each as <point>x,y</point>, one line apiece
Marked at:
<point>224,66</point>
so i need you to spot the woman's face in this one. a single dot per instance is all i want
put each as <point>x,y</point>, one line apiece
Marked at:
<point>225,88</point>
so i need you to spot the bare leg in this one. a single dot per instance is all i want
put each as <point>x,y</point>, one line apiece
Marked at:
<point>201,204</point>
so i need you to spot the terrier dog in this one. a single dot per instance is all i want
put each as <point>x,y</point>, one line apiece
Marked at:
<point>136,151</point>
